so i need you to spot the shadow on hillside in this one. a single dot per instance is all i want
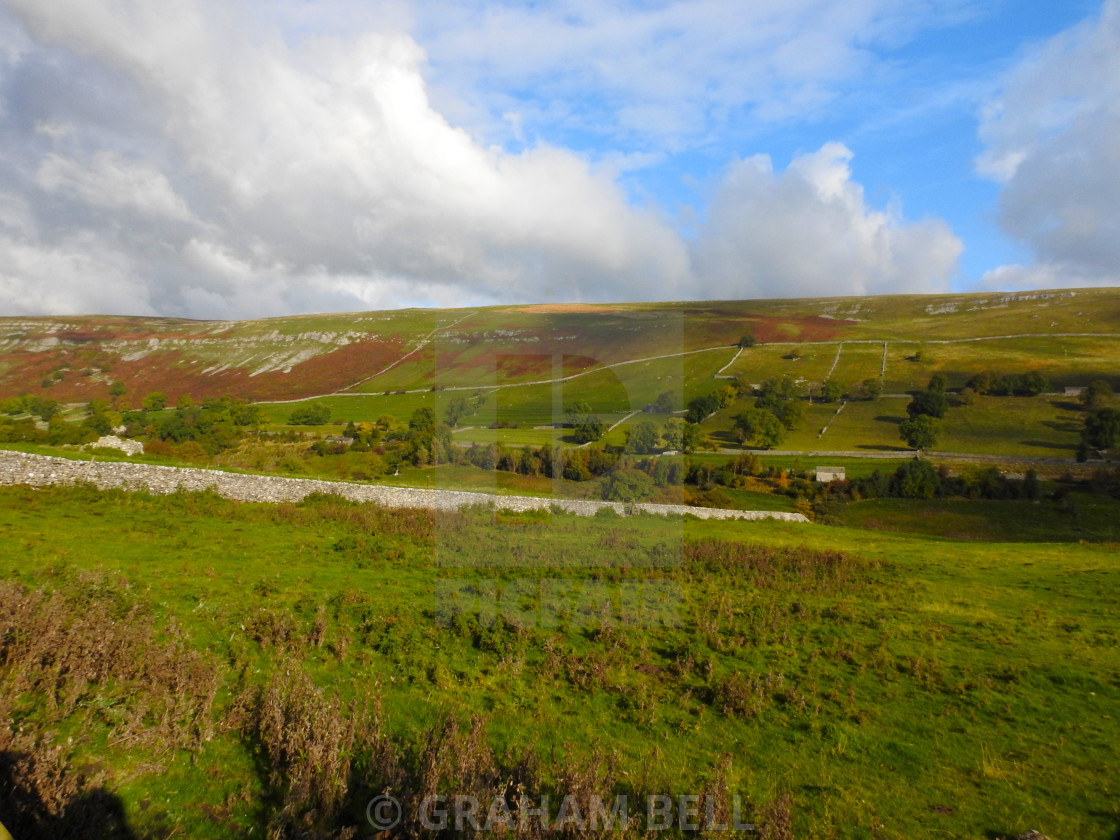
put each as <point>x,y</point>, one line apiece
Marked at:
<point>31,808</point>
<point>882,447</point>
<point>883,418</point>
<point>1063,425</point>
<point>1067,406</point>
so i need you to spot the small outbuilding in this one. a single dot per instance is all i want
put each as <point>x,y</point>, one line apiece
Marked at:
<point>1074,391</point>
<point>826,474</point>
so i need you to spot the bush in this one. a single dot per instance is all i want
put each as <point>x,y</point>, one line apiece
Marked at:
<point>629,485</point>
<point>192,451</point>
<point>929,403</point>
<point>919,432</point>
<point>316,413</point>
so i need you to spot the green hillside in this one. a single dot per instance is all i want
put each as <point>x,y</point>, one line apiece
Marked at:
<point>528,364</point>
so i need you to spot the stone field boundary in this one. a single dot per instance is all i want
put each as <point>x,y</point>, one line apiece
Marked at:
<point>46,470</point>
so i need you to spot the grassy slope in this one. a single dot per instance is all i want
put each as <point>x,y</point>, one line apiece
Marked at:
<point>493,345</point>
<point>927,684</point>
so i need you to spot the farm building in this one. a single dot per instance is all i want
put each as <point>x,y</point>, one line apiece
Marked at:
<point>825,474</point>
<point>1074,391</point>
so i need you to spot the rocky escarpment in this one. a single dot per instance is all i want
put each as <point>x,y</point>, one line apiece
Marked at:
<point>44,470</point>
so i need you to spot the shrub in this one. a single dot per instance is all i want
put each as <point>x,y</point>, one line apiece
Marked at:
<point>628,485</point>
<point>315,413</point>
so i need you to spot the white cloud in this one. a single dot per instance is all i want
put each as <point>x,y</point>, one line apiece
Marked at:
<point>76,276</point>
<point>179,159</point>
<point>323,159</point>
<point>1051,140</point>
<point>655,73</point>
<point>808,231</point>
<point>107,181</point>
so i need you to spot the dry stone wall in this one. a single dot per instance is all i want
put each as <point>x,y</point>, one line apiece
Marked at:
<point>45,470</point>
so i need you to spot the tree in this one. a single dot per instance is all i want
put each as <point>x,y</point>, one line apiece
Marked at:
<point>42,407</point>
<point>726,395</point>
<point>1034,383</point>
<point>587,427</point>
<point>699,408</point>
<point>1102,429</point>
<point>747,340</point>
<point>937,383</point>
<point>981,383</point>
<point>692,438</point>
<point>919,432</point>
<point>831,390</point>
<point>184,401</point>
<point>665,402</point>
<point>642,438</point>
<point>117,389</point>
<point>672,433</point>
<point>456,410</point>
<point>629,485</point>
<point>1098,394</point>
<point>759,427</point>
<point>316,413</point>
<point>155,401</point>
<point>1008,386</point>
<point>870,389</point>
<point>783,387</point>
<point>422,420</point>
<point>793,414</point>
<point>917,479</point>
<point>930,403</point>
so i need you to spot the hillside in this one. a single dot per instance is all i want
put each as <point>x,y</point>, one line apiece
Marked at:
<point>74,359</point>
<point>522,367</point>
<point>924,644</point>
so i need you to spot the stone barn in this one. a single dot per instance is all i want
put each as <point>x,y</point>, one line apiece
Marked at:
<point>826,474</point>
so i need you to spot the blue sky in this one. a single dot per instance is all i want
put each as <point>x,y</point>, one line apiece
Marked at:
<point>205,159</point>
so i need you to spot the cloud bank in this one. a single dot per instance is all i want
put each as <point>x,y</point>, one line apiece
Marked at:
<point>1051,141</point>
<point>178,159</point>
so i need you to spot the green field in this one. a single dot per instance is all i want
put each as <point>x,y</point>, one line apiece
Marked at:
<point>936,655</point>
<point>862,684</point>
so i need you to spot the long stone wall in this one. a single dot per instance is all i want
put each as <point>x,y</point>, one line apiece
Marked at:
<point>45,470</point>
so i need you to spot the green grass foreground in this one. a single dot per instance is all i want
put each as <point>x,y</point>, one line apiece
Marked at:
<point>190,666</point>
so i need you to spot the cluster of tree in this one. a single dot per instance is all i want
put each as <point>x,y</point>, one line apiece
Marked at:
<point>41,407</point>
<point>424,441</point>
<point>702,407</point>
<point>98,420</point>
<point>732,473</point>
<point>460,406</point>
<point>586,426</point>
<point>1101,432</point>
<point>315,413</point>
<point>1098,394</point>
<point>58,432</point>
<point>1010,385</point>
<point>216,424</point>
<point>925,412</point>
<point>918,479</point>
<point>777,409</point>
<point>1102,421</point>
<point>665,403</point>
